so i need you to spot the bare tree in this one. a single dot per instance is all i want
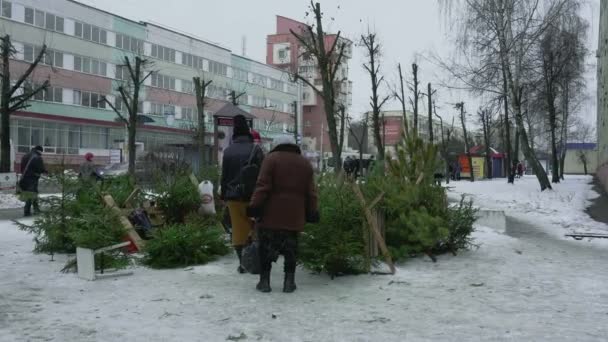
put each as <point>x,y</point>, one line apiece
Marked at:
<point>234,97</point>
<point>429,95</point>
<point>129,93</point>
<point>414,87</point>
<point>200,91</point>
<point>509,30</point>
<point>400,95</point>
<point>485,117</point>
<point>374,52</point>
<point>467,145</point>
<point>561,53</point>
<point>15,96</point>
<point>446,137</point>
<point>313,41</point>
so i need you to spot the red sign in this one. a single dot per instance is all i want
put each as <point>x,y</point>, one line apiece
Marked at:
<point>392,130</point>
<point>224,121</point>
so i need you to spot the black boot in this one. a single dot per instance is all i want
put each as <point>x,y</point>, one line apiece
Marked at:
<point>264,283</point>
<point>239,253</point>
<point>289,284</point>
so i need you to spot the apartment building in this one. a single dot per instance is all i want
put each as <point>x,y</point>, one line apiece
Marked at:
<point>285,52</point>
<point>84,63</point>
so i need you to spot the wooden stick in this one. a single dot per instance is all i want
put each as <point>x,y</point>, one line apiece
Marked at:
<point>194,180</point>
<point>109,248</point>
<point>137,240</point>
<point>374,202</point>
<point>374,228</point>
<point>131,196</point>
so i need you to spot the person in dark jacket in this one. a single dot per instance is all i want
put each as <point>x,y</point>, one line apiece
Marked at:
<point>88,170</point>
<point>285,199</point>
<point>32,167</point>
<point>235,158</point>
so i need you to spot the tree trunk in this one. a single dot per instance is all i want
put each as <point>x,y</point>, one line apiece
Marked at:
<point>466,141</point>
<point>430,98</point>
<point>5,141</point>
<point>554,156</point>
<point>200,88</point>
<point>585,166</point>
<point>517,143</point>
<point>405,124</point>
<point>510,175</point>
<point>538,169</point>
<point>416,93</point>
<point>486,139</point>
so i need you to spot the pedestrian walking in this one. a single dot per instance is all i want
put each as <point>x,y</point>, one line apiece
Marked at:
<point>32,167</point>
<point>285,199</point>
<point>88,170</point>
<point>239,164</point>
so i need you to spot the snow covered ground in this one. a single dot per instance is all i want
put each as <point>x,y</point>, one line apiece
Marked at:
<point>524,285</point>
<point>10,200</point>
<point>558,211</point>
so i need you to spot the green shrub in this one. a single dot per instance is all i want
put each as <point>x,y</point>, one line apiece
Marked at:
<point>177,197</point>
<point>181,245</point>
<point>460,219</point>
<point>335,245</point>
<point>76,217</point>
<point>120,187</point>
<point>418,218</point>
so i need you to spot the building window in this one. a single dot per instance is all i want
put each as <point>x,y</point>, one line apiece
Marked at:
<point>90,32</point>
<point>163,53</point>
<point>51,57</point>
<point>192,61</point>
<point>276,84</point>
<point>240,75</point>
<point>282,54</point>
<point>218,68</point>
<point>90,66</point>
<point>129,43</point>
<point>28,53</point>
<point>188,114</point>
<point>51,94</point>
<point>260,80</point>
<point>39,18</point>
<point>120,106</point>
<point>187,87</point>
<point>88,99</point>
<point>7,9</point>
<point>163,81</point>
<point>161,109</point>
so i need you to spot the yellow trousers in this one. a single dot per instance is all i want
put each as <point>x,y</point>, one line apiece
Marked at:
<point>241,224</point>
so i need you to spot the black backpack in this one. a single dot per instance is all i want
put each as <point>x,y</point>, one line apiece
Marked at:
<point>244,184</point>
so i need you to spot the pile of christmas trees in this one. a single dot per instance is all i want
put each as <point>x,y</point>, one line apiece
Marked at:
<point>78,217</point>
<point>418,220</point>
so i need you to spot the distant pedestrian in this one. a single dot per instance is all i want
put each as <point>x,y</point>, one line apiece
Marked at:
<point>285,199</point>
<point>32,167</point>
<point>88,170</point>
<point>520,170</point>
<point>236,182</point>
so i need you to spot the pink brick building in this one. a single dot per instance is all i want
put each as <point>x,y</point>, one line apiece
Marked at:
<point>284,51</point>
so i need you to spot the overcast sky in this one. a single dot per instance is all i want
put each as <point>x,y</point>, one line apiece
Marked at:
<point>407,29</point>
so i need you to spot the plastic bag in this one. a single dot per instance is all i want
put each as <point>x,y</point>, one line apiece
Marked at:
<point>205,189</point>
<point>250,259</point>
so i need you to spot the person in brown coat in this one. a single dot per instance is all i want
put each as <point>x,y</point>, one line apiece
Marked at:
<point>285,199</point>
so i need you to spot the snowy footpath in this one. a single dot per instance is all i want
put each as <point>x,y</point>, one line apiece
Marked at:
<point>527,284</point>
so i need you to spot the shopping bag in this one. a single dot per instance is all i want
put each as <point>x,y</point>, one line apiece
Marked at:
<point>205,189</point>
